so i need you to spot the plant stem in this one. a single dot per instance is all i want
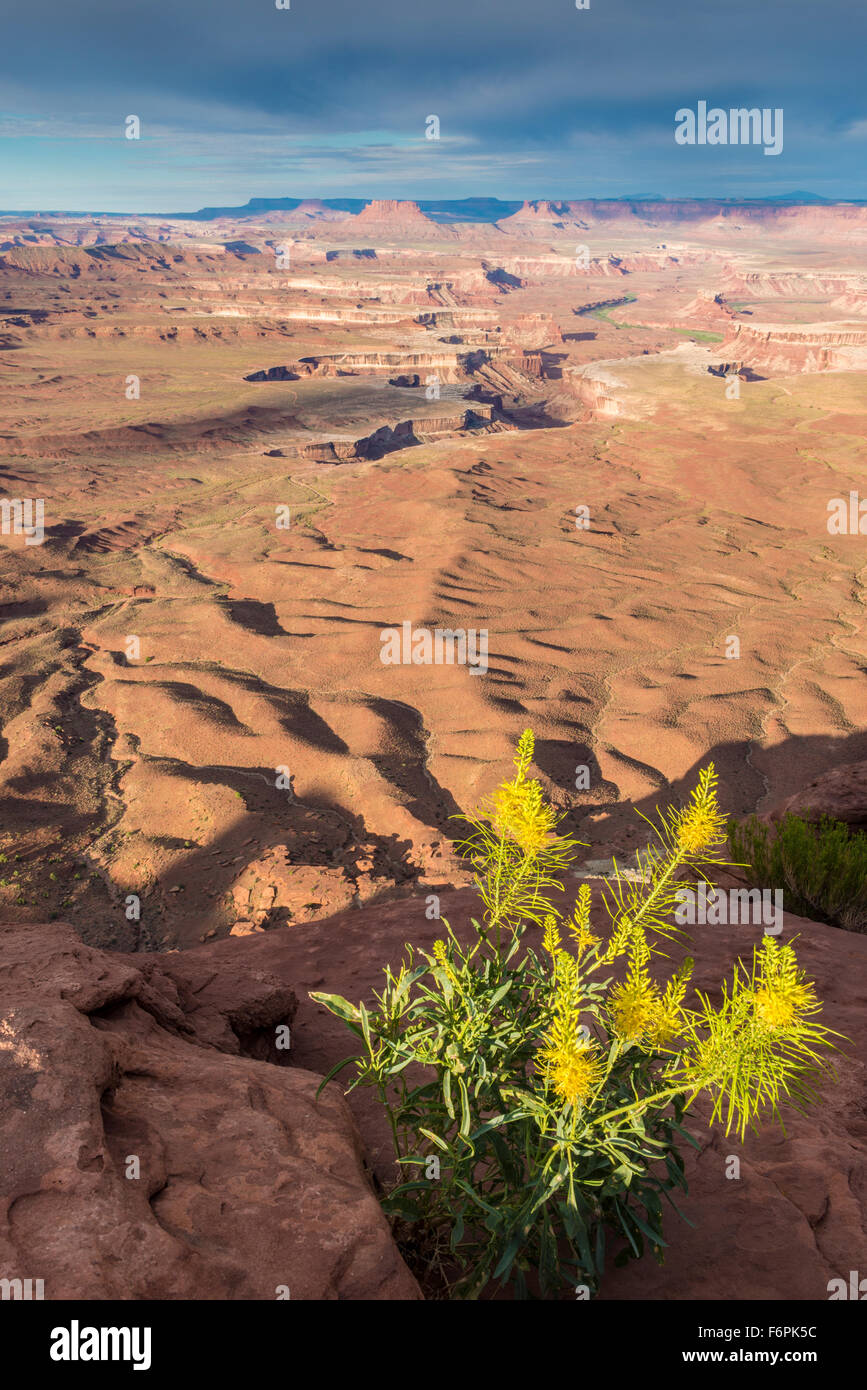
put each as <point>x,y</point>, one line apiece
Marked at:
<point>640,1104</point>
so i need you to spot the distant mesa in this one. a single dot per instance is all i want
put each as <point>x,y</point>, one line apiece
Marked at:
<point>385,216</point>
<point>314,207</point>
<point>541,210</point>
<point>389,211</point>
<point>389,217</point>
<point>311,212</point>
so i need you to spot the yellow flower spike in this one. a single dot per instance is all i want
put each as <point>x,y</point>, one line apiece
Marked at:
<point>772,1012</point>
<point>579,927</point>
<point>783,997</point>
<point>521,814</point>
<point>583,938</point>
<point>524,754</point>
<point>700,826</point>
<point>777,1007</point>
<point>633,1009</point>
<point>663,1030</point>
<point>581,913</point>
<point>637,1011</point>
<point>639,954</point>
<point>620,937</point>
<point>551,936</point>
<point>666,1024</point>
<point>441,958</point>
<point>669,1019</point>
<point>696,830</point>
<point>574,1072</point>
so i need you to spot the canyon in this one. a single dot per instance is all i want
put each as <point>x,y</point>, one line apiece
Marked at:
<point>142,402</point>
<point>262,437</point>
<point>429,411</point>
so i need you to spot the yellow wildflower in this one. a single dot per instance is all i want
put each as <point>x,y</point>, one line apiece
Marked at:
<point>633,1008</point>
<point>551,936</point>
<point>524,753</point>
<point>782,997</point>
<point>574,1071</point>
<point>779,1004</point>
<point>572,1063</point>
<point>579,927</point>
<point>583,938</point>
<point>697,829</point>
<point>441,958</point>
<point>665,1025</point>
<point>668,1020</point>
<point>700,825</point>
<point>621,936</point>
<point>520,813</point>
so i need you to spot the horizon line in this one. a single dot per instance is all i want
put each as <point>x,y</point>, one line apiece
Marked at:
<point>795,199</point>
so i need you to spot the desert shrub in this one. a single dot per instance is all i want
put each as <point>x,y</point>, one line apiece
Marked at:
<point>820,866</point>
<point>551,1096</point>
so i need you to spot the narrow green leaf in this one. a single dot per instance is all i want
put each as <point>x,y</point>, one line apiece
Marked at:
<point>336,1004</point>
<point>333,1072</point>
<point>434,1138</point>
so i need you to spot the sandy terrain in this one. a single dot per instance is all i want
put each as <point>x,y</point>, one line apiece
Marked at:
<point>196,723</point>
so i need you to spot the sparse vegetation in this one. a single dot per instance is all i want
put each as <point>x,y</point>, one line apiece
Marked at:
<point>820,866</point>
<point>604,312</point>
<point>536,1105</point>
<point>701,335</point>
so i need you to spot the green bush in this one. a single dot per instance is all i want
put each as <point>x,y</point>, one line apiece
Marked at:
<point>551,1097</point>
<point>820,866</point>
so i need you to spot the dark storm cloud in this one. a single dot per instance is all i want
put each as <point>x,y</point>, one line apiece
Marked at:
<point>507,67</point>
<point>503,75</point>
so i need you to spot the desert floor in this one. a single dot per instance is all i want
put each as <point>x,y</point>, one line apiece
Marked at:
<point>197,726</point>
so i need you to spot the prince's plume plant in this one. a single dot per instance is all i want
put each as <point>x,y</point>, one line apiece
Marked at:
<point>552,1097</point>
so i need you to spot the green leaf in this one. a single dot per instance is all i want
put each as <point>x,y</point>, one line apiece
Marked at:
<point>465,1108</point>
<point>622,1213</point>
<point>333,1072</point>
<point>447,1093</point>
<point>408,981</point>
<point>434,1138</point>
<point>654,1237</point>
<point>477,1199</point>
<point>399,1066</point>
<point>489,1125</point>
<point>505,1263</point>
<point>336,1004</point>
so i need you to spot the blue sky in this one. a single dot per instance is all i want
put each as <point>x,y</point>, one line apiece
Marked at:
<point>535,98</point>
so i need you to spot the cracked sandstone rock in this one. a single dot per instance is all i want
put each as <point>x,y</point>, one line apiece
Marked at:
<point>247,1182</point>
